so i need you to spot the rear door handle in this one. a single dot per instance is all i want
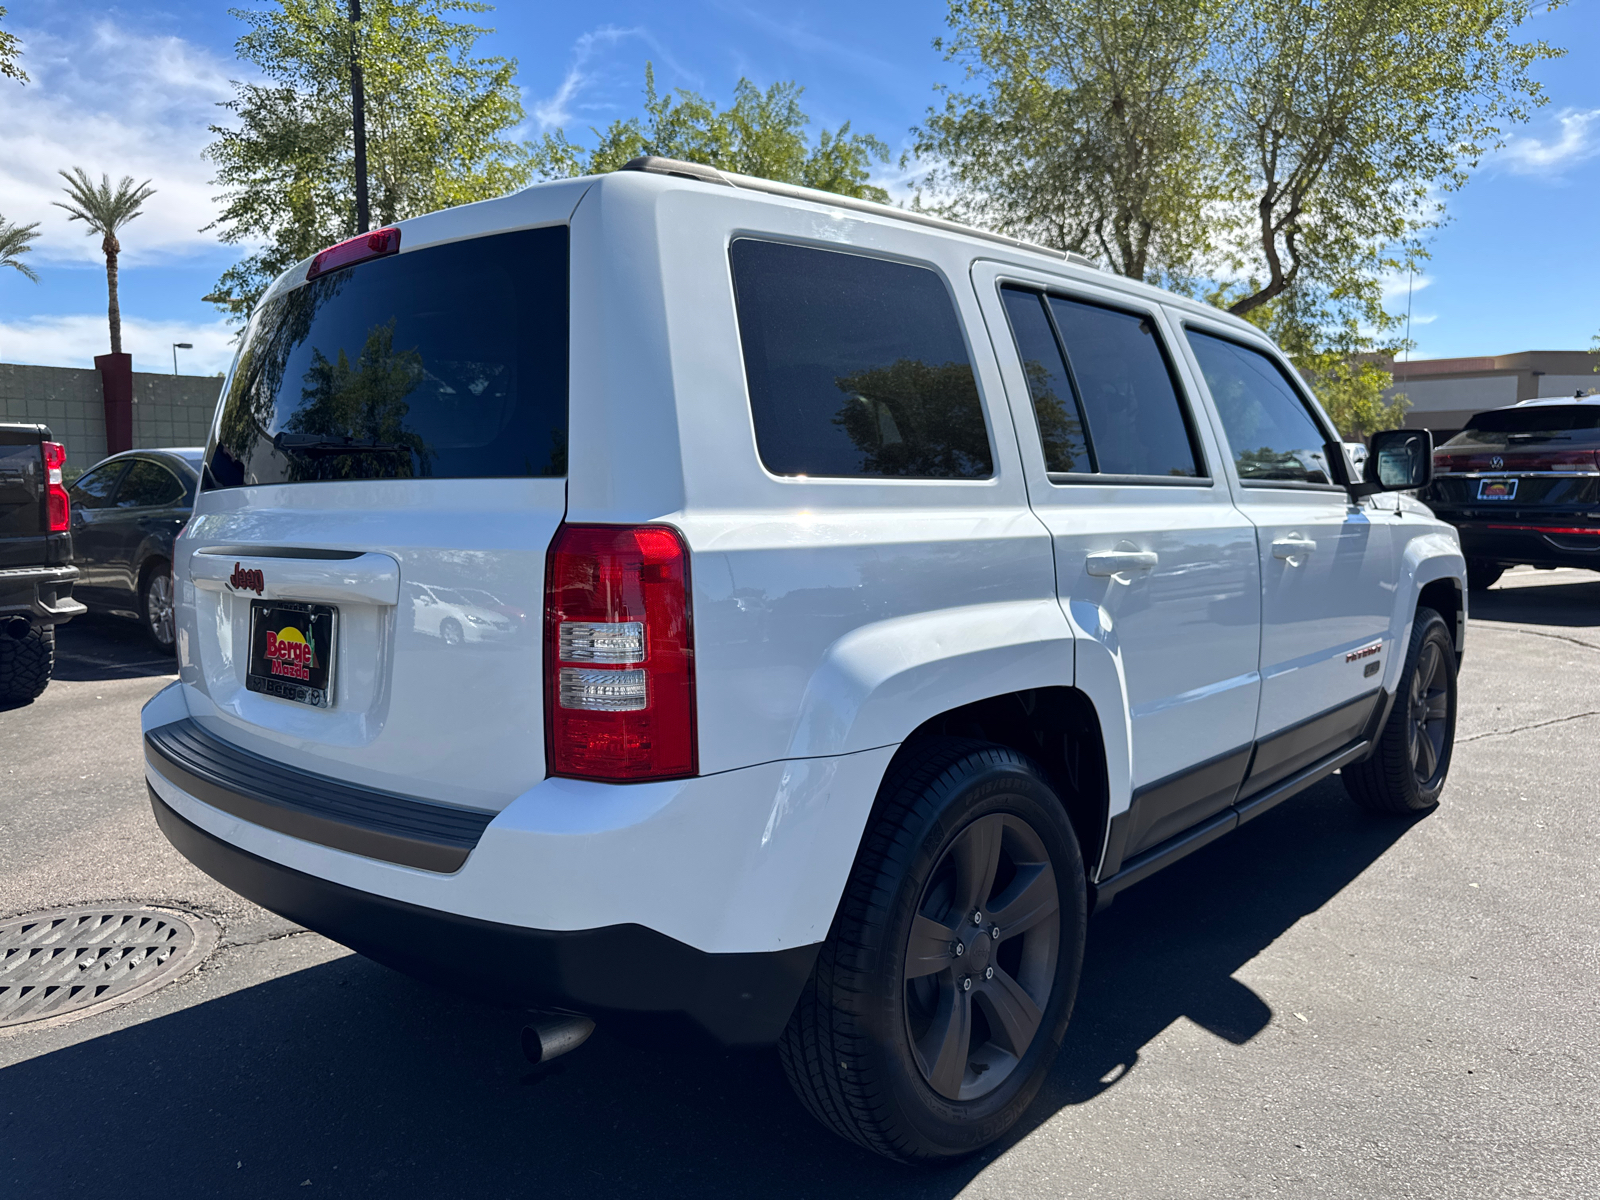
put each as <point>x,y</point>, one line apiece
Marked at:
<point>1121,562</point>
<point>1291,547</point>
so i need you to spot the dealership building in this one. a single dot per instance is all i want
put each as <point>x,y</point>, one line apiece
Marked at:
<point>1444,392</point>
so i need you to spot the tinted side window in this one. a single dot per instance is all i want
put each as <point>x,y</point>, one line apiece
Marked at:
<point>1125,386</point>
<point>1054,405</point>
<point>93,489</point>
<point>856,366</point>
<point>148,485</point>
<point>1270,432</point>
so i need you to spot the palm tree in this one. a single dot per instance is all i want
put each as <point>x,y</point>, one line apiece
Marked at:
<point>15,241</point>
<point>105,212</point>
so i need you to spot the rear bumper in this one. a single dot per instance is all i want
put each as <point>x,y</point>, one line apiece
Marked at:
<point>43,593</point>
<point>705,896</point>
<point>1532,539</point>
<point>739,999</point>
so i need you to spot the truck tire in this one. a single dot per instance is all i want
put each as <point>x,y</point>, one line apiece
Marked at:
<point>26,662</point>
<point>930,1019</point>
<point>1481,574</point>
<point>1407,770</point>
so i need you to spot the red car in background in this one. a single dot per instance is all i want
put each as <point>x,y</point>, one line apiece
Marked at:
<point>1522,485</point>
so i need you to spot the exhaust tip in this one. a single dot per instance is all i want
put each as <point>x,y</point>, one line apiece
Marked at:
<point>552,1038</point>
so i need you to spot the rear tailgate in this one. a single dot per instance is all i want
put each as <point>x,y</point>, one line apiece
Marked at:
<point>431,695</point>
<point>22,495</point>
<point>361,586</point>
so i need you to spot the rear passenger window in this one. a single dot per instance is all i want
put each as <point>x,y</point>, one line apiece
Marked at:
<point>856,366</point>
<point>149,485</point>
<point>1271,433</point>
<point>1125,386</point>
<point>1054,405</point>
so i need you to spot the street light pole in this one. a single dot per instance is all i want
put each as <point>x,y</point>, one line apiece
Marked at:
<point>358,104</point>
<point>176,346</point>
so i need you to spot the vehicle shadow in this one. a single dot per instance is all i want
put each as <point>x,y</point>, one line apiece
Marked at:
<point>367,1084</point>
<point>1571,605</point>
<point>97,647</point>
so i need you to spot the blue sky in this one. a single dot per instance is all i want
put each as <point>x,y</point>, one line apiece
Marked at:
<point>130,89</point>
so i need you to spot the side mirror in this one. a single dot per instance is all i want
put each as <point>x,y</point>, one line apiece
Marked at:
<point>1400,460</point>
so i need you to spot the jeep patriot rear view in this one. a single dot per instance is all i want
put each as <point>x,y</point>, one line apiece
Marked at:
<point>678,593</point>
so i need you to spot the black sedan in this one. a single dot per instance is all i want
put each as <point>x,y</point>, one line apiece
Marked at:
<point>126,513</point>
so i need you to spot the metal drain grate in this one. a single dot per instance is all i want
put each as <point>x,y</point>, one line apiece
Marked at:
<point>74,959</point>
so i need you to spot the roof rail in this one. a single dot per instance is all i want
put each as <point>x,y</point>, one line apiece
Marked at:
<point>690,170</point>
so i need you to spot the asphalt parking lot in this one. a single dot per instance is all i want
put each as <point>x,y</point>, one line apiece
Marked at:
<point>1325,1004</point>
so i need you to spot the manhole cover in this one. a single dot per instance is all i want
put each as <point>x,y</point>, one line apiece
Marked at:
<point>73,959</point>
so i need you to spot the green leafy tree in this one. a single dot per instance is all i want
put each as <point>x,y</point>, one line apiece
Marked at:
<point>763,134</point>
<point>15,241</point>
<point>105,211</point>
<point>1090,129</point>
<point>10,51</point>
<point>1342,124</point>
<point>438,122</point>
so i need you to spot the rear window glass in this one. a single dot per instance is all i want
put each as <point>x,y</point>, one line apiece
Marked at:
<point>856,366</point>
<point>1540,418</point>
<point>443,363</point>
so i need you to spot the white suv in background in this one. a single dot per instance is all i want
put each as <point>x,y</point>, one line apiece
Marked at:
<point>906,591</point>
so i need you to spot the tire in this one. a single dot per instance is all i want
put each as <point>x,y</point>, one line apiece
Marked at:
<point>450,631</point>
<point>1407,771</point>
<point>1481,575</point>
<point>26,662</point>
<point>156,607</point>
<point>863,1048</point>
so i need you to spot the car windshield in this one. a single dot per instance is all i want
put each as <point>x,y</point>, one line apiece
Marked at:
<point>1535,420</point>
<point>448,362</point>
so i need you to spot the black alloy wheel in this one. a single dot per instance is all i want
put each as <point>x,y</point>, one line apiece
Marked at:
<point>1407,769</point>
<point>1430,712</point>
<point>981,958</point>
<point>943,990</point>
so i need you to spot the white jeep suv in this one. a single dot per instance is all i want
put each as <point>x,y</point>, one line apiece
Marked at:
<point>907,591</point>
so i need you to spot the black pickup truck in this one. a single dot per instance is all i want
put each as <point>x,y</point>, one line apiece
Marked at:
<point>36,571</point>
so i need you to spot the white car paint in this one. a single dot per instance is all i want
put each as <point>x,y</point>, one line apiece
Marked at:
<point>832,617</point>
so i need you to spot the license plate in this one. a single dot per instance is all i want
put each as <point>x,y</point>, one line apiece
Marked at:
<point>291,651</point>
<point>1497,489</point>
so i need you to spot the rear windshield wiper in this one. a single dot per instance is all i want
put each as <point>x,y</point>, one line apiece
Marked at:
<point>310,443</point>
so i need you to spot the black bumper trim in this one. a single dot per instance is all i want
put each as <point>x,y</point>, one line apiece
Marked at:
<point>382,825</point>
<point>739,999</point>
<point>44,593</point>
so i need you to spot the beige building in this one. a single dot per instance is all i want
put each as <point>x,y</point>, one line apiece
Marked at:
<point>1444,392</point>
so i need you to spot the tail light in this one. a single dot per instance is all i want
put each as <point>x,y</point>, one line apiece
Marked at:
<point>1517,461</point>
<point>619,654</point>
<point>57,502</point>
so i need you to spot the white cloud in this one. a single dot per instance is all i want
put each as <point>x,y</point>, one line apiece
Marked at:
<point>1397,286</point>
<point>1579,140</point>
<point>73,340</point>
<point>117,103</point>
<point>559,109</point>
